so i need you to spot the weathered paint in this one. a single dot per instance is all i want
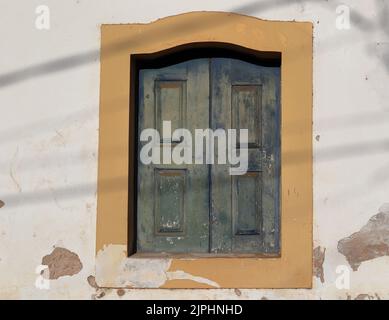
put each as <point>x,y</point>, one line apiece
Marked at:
<point>118,270</point>
<point>258,189</point>
<point>62,262</point>
<point>371,242</point>
<point>183,208</point>
<point>318,260</point>
<point>173,198</point>
<point>59,78</point>
<point>292,40</point>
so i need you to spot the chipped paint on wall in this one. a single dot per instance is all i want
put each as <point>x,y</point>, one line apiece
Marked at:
<point>318,260</point>
<point>370,242</point>
<point>62,262</point>
<point>350,112</point>
<point>100,292</point>
<point>115,269</point>
<point>365,296</point>
<point>181,275</point>
<point>92,282</point>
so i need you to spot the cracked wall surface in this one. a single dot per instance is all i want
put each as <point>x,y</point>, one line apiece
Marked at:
<point>49,138</point>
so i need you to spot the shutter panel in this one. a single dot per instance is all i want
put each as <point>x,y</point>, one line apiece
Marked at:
<point>173,200</point>
<point>199,207</point>
<point>245,208</point>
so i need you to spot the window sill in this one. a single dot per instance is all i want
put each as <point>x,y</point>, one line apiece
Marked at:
<point>115,270</point>
<point>191,256</point>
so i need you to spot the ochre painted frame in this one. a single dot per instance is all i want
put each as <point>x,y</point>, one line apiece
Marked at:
<point>293,269</point>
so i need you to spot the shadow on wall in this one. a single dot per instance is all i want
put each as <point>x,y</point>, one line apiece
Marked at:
<point>73,61</point>
<point>295,156</point>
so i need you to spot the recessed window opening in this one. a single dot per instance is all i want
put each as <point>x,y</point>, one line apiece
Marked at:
<point>200,207</point>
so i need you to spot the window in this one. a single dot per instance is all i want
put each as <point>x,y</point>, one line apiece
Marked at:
<point>233,253</point>
<point>199,207</point>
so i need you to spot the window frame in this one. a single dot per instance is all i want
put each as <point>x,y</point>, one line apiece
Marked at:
<point>116,175</point>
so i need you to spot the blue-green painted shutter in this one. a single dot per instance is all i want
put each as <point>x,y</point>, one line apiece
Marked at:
<point>245,208</point>
<point>202,208</point>
<point>173,200</point>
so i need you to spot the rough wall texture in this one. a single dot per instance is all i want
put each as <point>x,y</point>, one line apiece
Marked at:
<point>62,262</point>
<point>49,83</point>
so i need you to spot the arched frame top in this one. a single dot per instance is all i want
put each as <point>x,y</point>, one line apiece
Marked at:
<point>261,40</point>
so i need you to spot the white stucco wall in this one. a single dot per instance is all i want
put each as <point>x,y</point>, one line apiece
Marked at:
<point>49,99</point>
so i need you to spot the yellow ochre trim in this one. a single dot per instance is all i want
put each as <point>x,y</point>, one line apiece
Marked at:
<point>293,269</point>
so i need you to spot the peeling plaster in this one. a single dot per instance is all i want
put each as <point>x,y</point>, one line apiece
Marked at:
<point>114,269</point>
<point>365,296</point>
<point>26,126</point>
<point>362,296</point>
<point>98,295</point>
<point>92,282</point>
<point>100,292</point>
<point>370,242</point>
<point>2,204</point>
<point>62,262</point>
<point>143,273</point>
<point>318,260</point>
<point>175,275</point>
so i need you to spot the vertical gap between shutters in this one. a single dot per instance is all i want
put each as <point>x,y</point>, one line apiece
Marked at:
<point>209,165</point>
